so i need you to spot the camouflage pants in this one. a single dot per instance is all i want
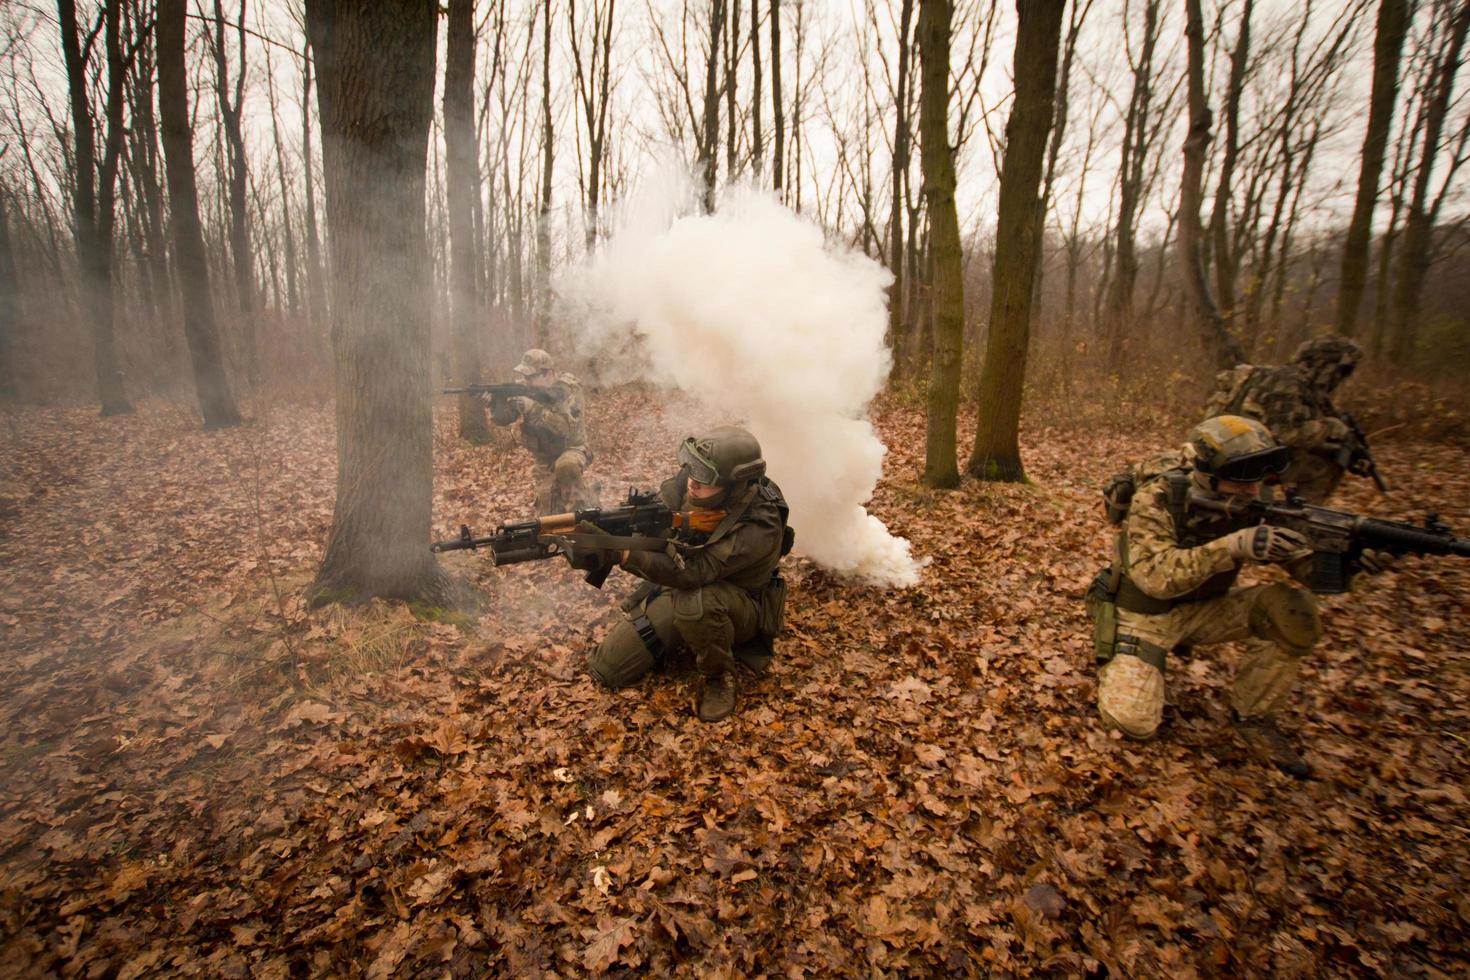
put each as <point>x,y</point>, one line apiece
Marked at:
<point>1277,624</point>
<point>1315,477</point>
<point>559,484</point>
<point>709,622</point>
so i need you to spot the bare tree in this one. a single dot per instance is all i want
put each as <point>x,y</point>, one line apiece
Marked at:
<point>1218,344</point>
<point>710,129</point>
<point>543,216</point>
<point>216,402</point>
<point>778,109</point>
<point>316,291</point>
<point>1220,242</point>
<point>375,89</point>
<point>594,90</point>
<point>462,159</point>
<point>898,320</point>
<point>95,188</point>
<point>996,454</point>
<point>1415,252</point>
<point>9,300</point>
<point>941,468</point>
<point>1388,45</point>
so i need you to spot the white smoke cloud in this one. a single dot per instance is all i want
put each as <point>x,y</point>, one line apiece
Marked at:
<point>756,315</point>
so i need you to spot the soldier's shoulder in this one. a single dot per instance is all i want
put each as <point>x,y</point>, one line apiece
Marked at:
<point>568,380</point>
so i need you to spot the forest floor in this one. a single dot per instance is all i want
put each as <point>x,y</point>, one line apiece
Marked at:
<point>199,777</point>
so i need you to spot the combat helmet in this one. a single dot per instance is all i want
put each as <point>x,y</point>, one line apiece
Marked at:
<point>534,362</point>
<point>1327,360</point>
<point>1234,448</point>
<point>726,456</point>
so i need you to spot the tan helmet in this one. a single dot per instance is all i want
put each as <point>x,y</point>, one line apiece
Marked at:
<point>1327,360</point>
<point>725,457</point>
<point>1235,448</point>
<point>534,362</point>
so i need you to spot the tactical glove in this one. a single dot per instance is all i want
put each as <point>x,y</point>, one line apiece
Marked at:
<point>1267,544</point>
<point>1373,562</point>
<point>1333,432</point>
<point>590,558</point>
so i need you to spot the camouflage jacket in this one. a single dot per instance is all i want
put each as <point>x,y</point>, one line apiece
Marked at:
<point>1298,413</point>
<point>1167,559</point>
<point>743,549</point>
<point>547,431</point>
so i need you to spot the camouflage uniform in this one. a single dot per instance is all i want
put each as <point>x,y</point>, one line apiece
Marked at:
<point>721,598</point>
<point>1177,590</point>
<point>1294,401</point>
<point>556,437</point>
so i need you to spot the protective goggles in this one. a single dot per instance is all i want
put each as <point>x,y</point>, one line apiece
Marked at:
<point>1253,467</point>
<point>702,468</point>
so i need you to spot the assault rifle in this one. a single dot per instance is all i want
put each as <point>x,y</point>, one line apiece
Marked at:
<point>1356,457</point>
<point>546,396</point>
<point>1338,537</point>
<point>640,523</point>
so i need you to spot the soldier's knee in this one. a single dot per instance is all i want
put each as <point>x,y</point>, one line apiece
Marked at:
<point>621,658</point>
<point>1130,696</point>
<point>1287,616</point>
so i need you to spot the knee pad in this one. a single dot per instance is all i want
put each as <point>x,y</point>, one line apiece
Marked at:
<point>567,468</point>
<point>688,605</point>
<point>1130,696</point>
<point>1287,616</point>
<point>621,659</point>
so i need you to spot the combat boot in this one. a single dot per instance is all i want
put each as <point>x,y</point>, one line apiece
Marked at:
<point>716,697</point>
<point>1269,744</point>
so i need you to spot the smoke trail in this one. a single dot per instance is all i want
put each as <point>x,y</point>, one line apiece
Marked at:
<point>754,313</point>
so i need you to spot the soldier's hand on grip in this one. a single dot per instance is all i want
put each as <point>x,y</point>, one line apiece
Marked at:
<point>1267,544</point>
<point>1373,562</point>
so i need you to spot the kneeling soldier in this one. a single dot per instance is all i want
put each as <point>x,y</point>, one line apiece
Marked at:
<point>1173,585</point>
<point>716,593</point>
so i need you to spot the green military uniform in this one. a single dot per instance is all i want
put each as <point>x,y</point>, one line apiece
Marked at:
<point>1294,401</point>
<point>717,594</point>
<point>555,435</point>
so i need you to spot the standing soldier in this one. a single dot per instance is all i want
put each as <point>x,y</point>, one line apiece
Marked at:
<point>1295,402</point>
<point>716,593</point>
<point>1173,585</point>
<point>554,434</point>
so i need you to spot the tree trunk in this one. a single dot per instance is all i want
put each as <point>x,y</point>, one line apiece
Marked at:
<point>1215,338</point>
<point>242,255</point>
<point>757,145</point>
<point>898,321</point>
<point>543,216</point>
<point>1414,252</point>
<point>778,160</point>
<point>1388,45</point>
<point>92,196</point>
<point>216,402</point>
<point>9,306</point>
<point>293,293</point>
<point>941,468</point>
<point>710,141</point>
<point>316,290</point>
<point>1225,260</point>
<point>375,91</point>
<point>997,454</point>
<point>463,163</point>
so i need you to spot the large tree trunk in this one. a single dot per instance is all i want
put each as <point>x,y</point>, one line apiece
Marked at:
<point>316,290</point>
<point>375,91</point>
<point>941,468</point>
<point>1414,252</point>
<point>92,197</point>
<point>463,163</point>
<point>9,306</point>
<point>997,454</point>
<point>1393,25</point>
<point>1216,339</point>
<point>216,403</point>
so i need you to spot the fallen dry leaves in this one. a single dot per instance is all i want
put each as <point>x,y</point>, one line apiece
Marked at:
<point>199,778</point>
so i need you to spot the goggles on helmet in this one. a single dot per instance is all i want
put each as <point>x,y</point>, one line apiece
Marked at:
<point>1252,467</point>
<point>702,469</point>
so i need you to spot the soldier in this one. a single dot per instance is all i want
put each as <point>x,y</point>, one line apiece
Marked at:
<point>717,594</point>
<point>554,434</point>
<point>1295,402</point>
<point>1173,586</point>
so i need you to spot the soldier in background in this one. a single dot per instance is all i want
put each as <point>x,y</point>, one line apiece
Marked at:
<point>554,434</point>
<point>1173,584</point>
<point>1294,401</point>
